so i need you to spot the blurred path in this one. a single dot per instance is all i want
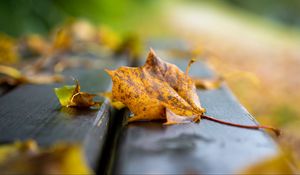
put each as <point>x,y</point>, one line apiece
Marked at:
<point>260,60</point>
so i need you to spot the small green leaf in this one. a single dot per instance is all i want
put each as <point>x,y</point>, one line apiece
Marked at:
<point>64,94</point>
<point>70,96</point>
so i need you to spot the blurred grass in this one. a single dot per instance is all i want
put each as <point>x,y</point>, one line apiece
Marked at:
<point>286,12</point>
<point>21,17</point>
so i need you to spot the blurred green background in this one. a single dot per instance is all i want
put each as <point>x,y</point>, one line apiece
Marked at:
<point>18,17</point>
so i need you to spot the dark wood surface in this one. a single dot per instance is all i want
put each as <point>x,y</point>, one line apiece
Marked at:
<point>207,147</point>
<point>34,112</point>
<point>111,146</point>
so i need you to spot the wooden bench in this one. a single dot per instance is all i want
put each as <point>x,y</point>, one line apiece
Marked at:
<point>111,146</point>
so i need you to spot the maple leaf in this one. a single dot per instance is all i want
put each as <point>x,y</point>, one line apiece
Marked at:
<point>71,96</point>
<point>160,90</point>
<point>157,90</point>
<point>27,158</point>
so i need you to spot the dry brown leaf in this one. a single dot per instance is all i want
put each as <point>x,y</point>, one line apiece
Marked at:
<point>71,96</point>
<point>14,77</point>
<point>160,90</point>
<point>33,46</point>
<point>208,84</point>
<point>157,90</point>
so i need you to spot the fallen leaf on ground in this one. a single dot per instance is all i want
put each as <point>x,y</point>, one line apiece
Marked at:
<point>208,84</point>
<point>160,90</point>
<point>62,40</point>
<point>27,158</point>
<point>71,96</point>
<point>33,46</point>
<point>12,76</point>
<point>8,50</point>
<point>157,90</point>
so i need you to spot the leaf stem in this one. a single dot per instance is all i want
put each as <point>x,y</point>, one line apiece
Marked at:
<point>189,65</point>
<point>276,131</point>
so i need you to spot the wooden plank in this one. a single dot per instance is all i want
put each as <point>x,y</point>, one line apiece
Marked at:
<point>33,111</point>
<point>204,148</point>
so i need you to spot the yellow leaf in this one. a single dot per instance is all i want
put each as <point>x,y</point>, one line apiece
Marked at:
<point>10,71</point>
<point>208,84</point>
<point>160,90</point>
<point>15,77</point>
<point>63,39</point>
<point>8,50</point>
<point>150,90</point>
<point>34,45</point>
<point>27,158</point>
